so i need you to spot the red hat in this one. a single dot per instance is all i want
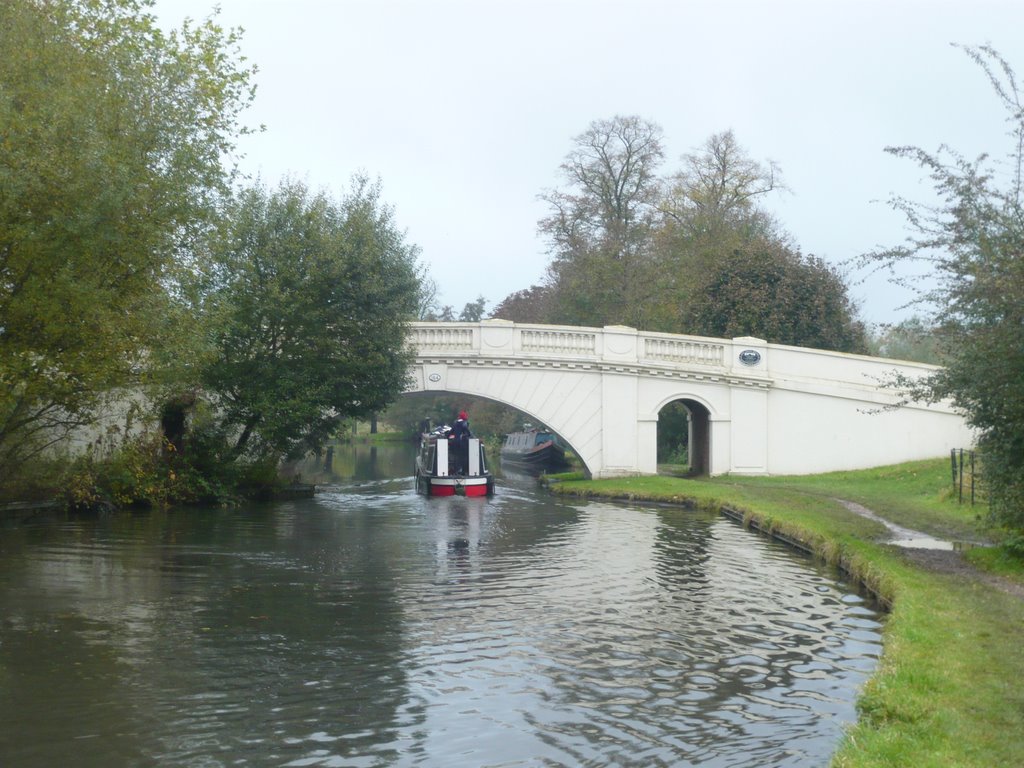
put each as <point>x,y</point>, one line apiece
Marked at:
<point>463,416</point>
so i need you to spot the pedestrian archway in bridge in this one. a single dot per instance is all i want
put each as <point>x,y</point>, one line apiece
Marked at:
<point>685,424</point>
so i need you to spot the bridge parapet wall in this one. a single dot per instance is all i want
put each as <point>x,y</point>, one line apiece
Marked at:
<point>503,338</point>
<point>614,344</point>
<point>840,374</point>
<point>782,365</point>
<point>558,342</point>
<point>688,351</point>
<point>444,337</point>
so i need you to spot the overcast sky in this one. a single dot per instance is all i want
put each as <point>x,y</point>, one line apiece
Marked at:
<point>465,109</point>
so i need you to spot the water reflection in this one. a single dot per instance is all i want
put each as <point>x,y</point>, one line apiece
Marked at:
<point>344,462</point>
<point>371,626</point>
<point>610,643</point>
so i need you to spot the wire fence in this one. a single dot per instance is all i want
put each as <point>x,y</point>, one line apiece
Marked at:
<point>966,467</point>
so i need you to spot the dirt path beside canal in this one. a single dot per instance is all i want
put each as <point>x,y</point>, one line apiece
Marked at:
<point>935,555</point>
<point>954,563</point>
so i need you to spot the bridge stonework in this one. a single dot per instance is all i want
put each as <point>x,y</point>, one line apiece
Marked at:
<point>756,408</point>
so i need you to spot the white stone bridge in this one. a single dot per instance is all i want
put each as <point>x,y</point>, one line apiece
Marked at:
<point>755,408</point>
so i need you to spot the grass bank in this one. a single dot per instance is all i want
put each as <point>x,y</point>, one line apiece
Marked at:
<point>948,689</point>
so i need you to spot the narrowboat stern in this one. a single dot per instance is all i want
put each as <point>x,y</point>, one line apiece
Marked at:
<point>440,471</point>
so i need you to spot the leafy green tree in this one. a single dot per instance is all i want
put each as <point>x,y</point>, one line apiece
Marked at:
<point>973,239</point>
<point>711,210</point>
<point>112,141</point>
<point>309,309</point>
<point>599,227</point>
<point>693,253</point>
<point>530,305</point>
<point>771,292</point>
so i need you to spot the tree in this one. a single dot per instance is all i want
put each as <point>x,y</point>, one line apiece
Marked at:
<point>446,315</point>
<point>711,212</point>
<point>599,228</point>
<point>473,312</point>
<point>973,239</point>
<point>530,305</point>
<point>723,266</point>
<point>718,190</point>
<point>309,309</point>
<point>112,141</point>
<point>427,301</point>
<point>691,254</point>
<point>767,290</point>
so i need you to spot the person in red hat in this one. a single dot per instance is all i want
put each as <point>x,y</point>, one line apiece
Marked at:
<point>460,435</point>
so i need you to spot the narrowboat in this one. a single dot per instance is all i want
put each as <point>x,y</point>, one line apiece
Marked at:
<point>438,470</point>
<point>533,448</point>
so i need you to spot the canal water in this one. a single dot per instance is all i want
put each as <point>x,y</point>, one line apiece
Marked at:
<point>369,626</point>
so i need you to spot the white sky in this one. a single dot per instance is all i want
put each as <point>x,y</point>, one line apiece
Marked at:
<point>465,108</point>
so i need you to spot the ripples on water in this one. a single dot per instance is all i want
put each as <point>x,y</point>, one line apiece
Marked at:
<point>373,627</point>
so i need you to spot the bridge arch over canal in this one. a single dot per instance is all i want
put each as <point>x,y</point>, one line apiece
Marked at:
<point>756,408</point>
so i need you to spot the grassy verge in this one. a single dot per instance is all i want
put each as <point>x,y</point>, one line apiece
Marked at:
<point>947,691</point>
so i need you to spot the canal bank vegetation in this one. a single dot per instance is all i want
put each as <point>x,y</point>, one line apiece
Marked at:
<point>972,245</point>
<point>247,324</point>
<point>947,690</point>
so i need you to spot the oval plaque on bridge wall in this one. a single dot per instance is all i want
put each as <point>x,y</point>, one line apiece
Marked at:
<point>434,377</point>
<point>750,357</point>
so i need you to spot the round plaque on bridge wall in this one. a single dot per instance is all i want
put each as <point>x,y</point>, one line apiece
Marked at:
<point>750,357</point>
<point>496,337</point>
<point>434,377</point>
